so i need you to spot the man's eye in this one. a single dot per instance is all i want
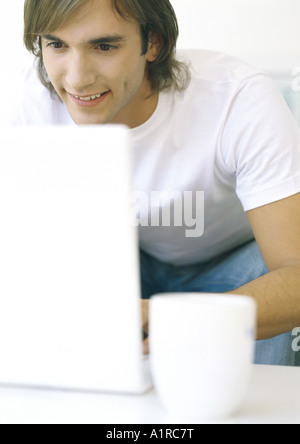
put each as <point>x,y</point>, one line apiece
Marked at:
<point>55,45</point>
<point>106,47</point>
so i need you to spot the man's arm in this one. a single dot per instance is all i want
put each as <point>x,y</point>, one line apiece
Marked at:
<point>276,228</point>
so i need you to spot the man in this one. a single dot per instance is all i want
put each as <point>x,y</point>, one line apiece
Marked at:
<point>222,128</point>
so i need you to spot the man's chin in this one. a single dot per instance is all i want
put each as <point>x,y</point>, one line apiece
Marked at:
<point>88,119</point>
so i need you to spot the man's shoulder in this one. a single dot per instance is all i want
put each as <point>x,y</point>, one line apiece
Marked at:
<point>217,67</point>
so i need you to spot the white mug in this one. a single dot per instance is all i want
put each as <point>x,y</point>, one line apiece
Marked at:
<point>201,352</point>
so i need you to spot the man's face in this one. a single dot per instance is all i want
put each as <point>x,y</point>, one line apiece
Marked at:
<point>94,62</point>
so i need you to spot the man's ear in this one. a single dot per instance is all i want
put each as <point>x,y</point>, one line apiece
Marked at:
<point>154,46</point>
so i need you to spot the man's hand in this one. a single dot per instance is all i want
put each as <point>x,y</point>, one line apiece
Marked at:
<point>145,325</point>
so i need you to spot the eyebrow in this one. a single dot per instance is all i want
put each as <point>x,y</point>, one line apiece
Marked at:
<point>114,38</point>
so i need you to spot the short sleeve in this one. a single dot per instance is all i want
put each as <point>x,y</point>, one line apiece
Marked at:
<point>261,144</point>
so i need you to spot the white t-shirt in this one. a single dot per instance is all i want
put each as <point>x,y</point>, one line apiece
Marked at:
<point>229,135</point>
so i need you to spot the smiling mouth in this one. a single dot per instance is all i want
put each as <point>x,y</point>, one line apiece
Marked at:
<point>89,98</point>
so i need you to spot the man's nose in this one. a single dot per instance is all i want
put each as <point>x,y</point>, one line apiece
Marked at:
<point>80,73</point>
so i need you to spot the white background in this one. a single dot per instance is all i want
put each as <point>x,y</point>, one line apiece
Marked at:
<point>264,32</point>
<point>265,28</point>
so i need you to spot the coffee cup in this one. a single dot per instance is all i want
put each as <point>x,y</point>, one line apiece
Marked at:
<point>201,352</point>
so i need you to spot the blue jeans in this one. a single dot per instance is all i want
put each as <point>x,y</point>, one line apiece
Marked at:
<point>226,273</point>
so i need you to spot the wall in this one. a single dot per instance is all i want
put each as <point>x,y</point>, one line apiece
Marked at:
<point>255,29</point>
<point>13,53</point>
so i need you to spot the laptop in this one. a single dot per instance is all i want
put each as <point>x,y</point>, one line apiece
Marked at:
<point>70,315</point>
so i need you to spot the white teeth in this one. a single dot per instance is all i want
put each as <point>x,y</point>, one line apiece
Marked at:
<point>87,99</point>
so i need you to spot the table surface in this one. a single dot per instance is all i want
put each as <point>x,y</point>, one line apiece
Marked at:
<point>273,397</point>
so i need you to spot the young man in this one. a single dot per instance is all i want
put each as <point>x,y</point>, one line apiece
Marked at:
<point>223,128</point>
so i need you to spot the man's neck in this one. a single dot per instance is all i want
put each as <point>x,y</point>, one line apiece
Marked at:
<point>139,109</point>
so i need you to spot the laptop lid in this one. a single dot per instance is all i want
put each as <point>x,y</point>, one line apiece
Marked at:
<point>69,269</point>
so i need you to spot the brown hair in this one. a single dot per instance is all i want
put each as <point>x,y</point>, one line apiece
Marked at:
<point>154,16</point>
